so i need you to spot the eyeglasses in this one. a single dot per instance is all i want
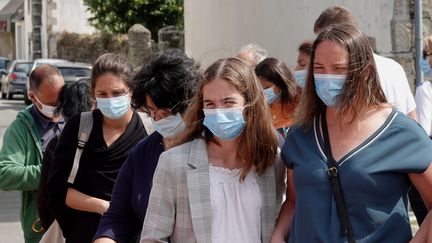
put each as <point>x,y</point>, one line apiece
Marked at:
<point>156,114</point>
<point>159,113</point>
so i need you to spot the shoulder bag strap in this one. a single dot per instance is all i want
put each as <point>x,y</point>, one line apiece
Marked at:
<point>333,174</point>
<point>85,127</point>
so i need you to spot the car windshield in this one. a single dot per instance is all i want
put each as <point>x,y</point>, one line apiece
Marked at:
<point>23,67</point>
<point>3,63</point>
<point>75,72</point>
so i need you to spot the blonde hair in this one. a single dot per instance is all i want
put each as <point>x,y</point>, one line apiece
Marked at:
<point>427,46</point>
<point>258,141</point>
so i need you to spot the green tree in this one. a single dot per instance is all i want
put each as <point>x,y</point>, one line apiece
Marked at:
<point>117,16</point>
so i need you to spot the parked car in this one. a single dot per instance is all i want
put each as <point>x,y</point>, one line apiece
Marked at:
<point>37,63</point>
<point>74,71</point>
<point>4,64</point>
<point>15,78</point>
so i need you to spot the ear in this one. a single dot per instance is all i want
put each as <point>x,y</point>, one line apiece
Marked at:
<point>31,96</point>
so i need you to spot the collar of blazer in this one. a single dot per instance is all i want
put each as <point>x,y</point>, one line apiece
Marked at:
<point>198,153</point>
<point>198,188</point>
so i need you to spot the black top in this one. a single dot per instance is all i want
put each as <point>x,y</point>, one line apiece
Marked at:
<point>99,166</point>
<point>45,215</point>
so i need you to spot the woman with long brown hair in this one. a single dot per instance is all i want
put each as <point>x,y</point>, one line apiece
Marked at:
<point>281,91</point>
<point>353,156</point>
<point>219,184</point>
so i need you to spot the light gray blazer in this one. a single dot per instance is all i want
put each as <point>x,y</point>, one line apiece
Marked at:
<point>179,205</point>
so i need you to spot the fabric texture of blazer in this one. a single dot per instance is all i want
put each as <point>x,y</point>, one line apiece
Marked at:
<point>179,206</point>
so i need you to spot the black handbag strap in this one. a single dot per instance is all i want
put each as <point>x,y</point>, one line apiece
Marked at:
<point>333,173</point>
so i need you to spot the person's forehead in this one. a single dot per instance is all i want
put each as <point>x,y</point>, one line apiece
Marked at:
<point>109,81</point>
<point>328,50</point>
<point>219,89</point>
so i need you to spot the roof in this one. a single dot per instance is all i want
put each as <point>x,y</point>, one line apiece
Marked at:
<point>11,8</point>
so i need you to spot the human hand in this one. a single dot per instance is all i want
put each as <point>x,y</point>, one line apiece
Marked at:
<point>104,205</point>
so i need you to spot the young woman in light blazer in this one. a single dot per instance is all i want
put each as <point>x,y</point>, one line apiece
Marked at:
<point>224,181</point>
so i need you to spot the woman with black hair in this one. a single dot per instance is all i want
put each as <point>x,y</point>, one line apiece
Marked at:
<point>116,130</point>
<point>163,88</point>
<point>74,98</point>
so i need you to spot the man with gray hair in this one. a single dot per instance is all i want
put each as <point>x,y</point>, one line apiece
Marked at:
<point>252,54</point>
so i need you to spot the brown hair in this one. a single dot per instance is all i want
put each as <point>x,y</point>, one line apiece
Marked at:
<point>361,88</point>
<point>334,15</point>
<point>115,64</point>
<point>305,47</point>
<point>278,73</point>
<point>259,142</point>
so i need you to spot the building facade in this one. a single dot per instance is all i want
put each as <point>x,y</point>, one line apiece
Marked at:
<point>31,26</point>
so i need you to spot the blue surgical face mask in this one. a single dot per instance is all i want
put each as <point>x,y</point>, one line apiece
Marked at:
<point>300,76</point>
<point>169,126</point>
<point>113,108</point>
<point>270,95</point>
<point>226,124</point>
<point>425,67</point>
<point>328,87</point>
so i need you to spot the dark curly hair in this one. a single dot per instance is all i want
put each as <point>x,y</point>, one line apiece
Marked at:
<point>74,98</point>
<point>169,78</point>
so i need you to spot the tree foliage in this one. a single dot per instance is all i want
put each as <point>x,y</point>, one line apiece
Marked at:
<point>117,16</point>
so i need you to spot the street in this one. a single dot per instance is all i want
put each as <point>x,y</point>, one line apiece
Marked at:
<point>10,227</point>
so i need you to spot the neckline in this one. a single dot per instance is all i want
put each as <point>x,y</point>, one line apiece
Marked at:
<point>358,148</point>
<point>225,171</point>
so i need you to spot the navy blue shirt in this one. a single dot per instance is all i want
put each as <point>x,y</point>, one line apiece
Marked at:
<point>47,128</point>
<point>373,178</point>
<point>125,216</point>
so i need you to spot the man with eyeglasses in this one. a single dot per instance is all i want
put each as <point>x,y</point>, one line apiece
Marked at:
<point>25,141</point>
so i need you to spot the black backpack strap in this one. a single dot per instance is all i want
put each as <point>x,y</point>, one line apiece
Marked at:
<point>333,173</point>
<point>85,127</point>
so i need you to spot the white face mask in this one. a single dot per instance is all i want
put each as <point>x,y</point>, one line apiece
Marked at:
<point>169,126</point>
<point>46,110</point>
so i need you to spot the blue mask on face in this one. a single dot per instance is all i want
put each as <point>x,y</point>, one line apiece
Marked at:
<point>300,76</point>
<point>113,108</point>
<point>425,67</point>
<point>169,126</point>
<point>226,124</point>
<point>270,95</point>
<point>328,87</point>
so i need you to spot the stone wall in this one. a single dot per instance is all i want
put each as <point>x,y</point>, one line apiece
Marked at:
<point>86,48</point>
<point>137,45</point>
<point>403,34</point>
